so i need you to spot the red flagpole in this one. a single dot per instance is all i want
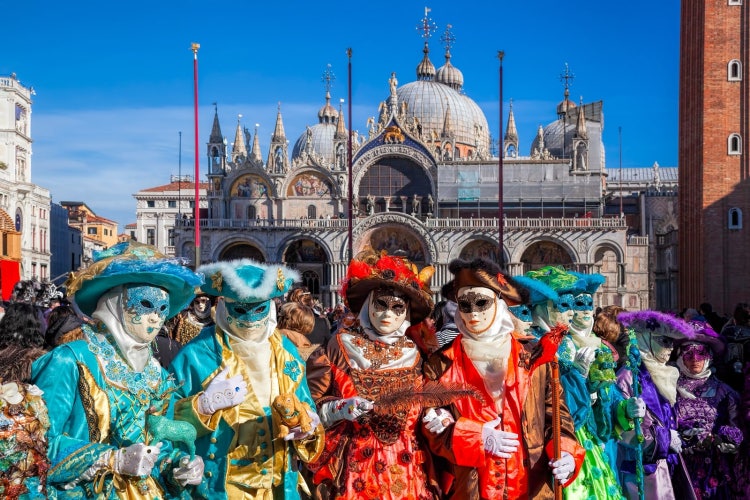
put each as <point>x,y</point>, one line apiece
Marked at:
<point>349,150</point>
<point>501,146</point>
<point>197,210</point>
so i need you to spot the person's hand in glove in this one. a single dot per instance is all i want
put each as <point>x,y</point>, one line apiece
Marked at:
<point>583,359</point>
<point>296,433</point>
<point>188,471</point>
<point>221,393</point>
<point>344,409</point>
<point>564,467</point>
<point>497,442</point>
<point>727,447</point>
<point>635,408</point>
<point>137,459</point>
<point>675,443</point>
<point>437,420</point>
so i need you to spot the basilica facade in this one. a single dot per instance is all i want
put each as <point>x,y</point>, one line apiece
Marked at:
<point>424,184</point>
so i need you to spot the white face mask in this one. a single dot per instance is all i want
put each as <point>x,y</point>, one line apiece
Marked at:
<point>387,310</point>
<point>247,320</point>
<point>562,311</point>
<point>583,316</point>
<point>145,309</point>
<point>477,307</point>
<point>661,347</point>
<point>201,306</point>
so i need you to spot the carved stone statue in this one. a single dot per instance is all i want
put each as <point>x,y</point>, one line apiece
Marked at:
<point>430,203</point>
<point>393,83</point>
<point>370,204</point>
<point>415,204</point>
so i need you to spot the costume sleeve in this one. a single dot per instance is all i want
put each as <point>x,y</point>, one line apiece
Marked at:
<point>320,377</point>
<point>71,451</point>
<point>309,449</point>
<point>568,441</point>
<point>185,369</point>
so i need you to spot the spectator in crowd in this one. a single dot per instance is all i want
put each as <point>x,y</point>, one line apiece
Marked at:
<point>322,329</point>
<point>63,325</point>
<point>296,322</point>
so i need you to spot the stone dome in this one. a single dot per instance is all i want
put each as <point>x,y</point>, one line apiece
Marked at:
<point>318,139</point>
<point>450,75</point>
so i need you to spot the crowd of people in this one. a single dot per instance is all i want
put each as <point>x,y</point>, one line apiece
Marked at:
<point>152,380</point>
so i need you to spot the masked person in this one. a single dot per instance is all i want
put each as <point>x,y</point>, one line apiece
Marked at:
<point>707,416</point>
<point>100,390</point>
<point>501,445</point>
<point>229,377</point>
<point>372,453</point>
<point>190,322</point>
<point>653,335</point>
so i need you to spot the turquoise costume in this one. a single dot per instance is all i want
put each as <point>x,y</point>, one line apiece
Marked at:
<point>97,403</point>
<point>242,458</point>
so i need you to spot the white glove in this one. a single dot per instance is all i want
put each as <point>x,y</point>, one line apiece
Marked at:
<point>583,359</point>
<point>344,409</point>
<point>221,393</point>
<point>437,420</point>
<point>692,432</point>
<point>188,471</point>
<point>727,447</point>
<point>635,408</point>
<point>296,433</point>
<point>675,443</point>
<point>593,396</point>
<point>563,468</point>
<point>137,459</point>
<point>498,442</point>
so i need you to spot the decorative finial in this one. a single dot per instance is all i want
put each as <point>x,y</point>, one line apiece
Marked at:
<point>448,38</point>
<point>328,77</point>
<point>567,77</point>
<point>427,26</point>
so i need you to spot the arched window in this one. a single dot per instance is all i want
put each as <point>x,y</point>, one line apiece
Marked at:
<point>734,144</point>
<point>251,213</point>
<point>312,212</point>
<point>735,218</point>
<point>734,70</point>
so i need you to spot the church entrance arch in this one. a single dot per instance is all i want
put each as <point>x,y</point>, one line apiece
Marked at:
<point>396,240</point>
<point>311,260</point>
<point>242,251</point>
<point>545,253</point>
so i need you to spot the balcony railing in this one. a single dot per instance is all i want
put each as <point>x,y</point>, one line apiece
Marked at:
<point>521,223</point>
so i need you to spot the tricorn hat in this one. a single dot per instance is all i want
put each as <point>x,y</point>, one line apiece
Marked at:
<point>370,270</point>
<point>131,262</point>
<point>245,280</point>
<point>485,273</point>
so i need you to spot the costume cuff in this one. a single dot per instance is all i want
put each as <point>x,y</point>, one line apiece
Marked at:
<point>467,444</point>
<point>572,447</point>
<point>623,422</point>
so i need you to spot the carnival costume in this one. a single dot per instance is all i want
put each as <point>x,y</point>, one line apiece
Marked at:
<point>372,452</point>
<point>707,416</point>
<point>501,445</point>
<point>189,323</point>
<point>99,390</point>
<point>653,335</point>
<point>562,297</point>
<point>244,354</point>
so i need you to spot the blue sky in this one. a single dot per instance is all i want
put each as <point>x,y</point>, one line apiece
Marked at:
<point>114,80</point>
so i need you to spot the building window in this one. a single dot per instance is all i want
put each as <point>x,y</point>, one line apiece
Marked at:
<point>170,237</point>
<point>150,236</point>
<point>192,203</point>
<point>251,213</point>
<point>734,70</point>
<point>735,218</point>
<point>734,144</point>
<point>91,230</point>
<point>735,2</point>
<point>172,203</point>
<point>150,204</point>
<point>312,212</point>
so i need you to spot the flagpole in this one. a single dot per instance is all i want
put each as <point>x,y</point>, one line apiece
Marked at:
<point>501,255</point>
<point>349,154</point>
<point>197,210</point>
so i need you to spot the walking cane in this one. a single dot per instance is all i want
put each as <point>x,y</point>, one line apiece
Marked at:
<point>634,365</point>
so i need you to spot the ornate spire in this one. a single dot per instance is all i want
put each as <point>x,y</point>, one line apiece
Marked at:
<point>278,131</point>
<point>340,125</point>
<point>216,136</point>
<point>511,133</point>
<point>327,113</point>
<point>449,74</point>
<point>239,149</point>
<point>425,69</point>
<point>581,131</point>
<point>255,152</point>
<point>447,123</point>
<point>566,104</point>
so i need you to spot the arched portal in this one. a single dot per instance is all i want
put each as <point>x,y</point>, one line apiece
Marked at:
<point>398,180</point>
<point>545,253</point>
<point>242,251</point>
<point>311,260</point>
<point>481,249</point>
<point>396,240</point>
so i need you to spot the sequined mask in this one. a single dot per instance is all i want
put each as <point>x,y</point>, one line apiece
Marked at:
<point>145,310</point>
<point>522,318</point>
<point>562,311</point>
<point>477,307</point>
<point>387,310</point>
<point>246,315</point>
<point>583,315</point>
<point>695,352</point>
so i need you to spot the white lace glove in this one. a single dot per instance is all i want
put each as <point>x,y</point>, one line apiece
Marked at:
<point>437,420</point>
<point>137,459</point>
<point>563,468</point>
<point>583,359</point>
<point>344,409</point>
<point>635,408</point>
<point>222,392</point>
<point>675,443</point>
<point>296,433</point>
<point>498,442</point>
<point>188,471</point>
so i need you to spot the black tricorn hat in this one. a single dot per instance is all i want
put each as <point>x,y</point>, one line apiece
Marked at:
<point>484,273</point>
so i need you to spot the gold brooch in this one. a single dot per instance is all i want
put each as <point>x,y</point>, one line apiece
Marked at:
<point>217,280</point>
<point>280,280</point>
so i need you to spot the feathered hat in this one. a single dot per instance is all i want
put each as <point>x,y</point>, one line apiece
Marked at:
<point>245,280</point>
<point>370,270</point>
<point>588,282</point>
<point>131,262</point>
<point>657,323</point>
<point>485,273</point>
<point>558,279</point>
<point>703,333</point>
<point>539,292</point>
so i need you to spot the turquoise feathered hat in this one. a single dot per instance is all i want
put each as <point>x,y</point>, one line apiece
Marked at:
<point>131,262</point>
<point>245,280</point>
<point>588,283</point>
<point>539,292</point>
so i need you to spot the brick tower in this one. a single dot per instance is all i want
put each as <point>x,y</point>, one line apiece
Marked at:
<point>714,171</point>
